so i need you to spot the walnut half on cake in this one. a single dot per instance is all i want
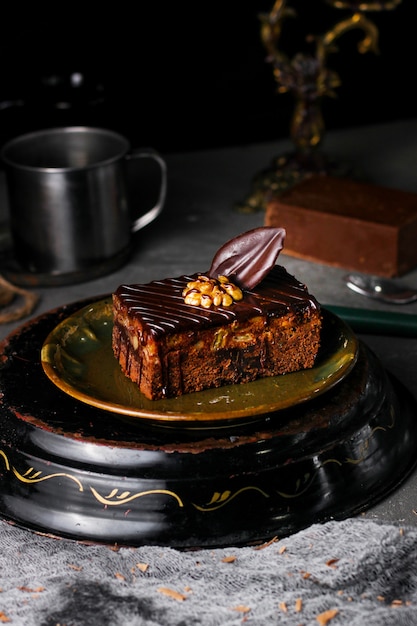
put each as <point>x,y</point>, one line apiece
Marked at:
<point>246,318</point>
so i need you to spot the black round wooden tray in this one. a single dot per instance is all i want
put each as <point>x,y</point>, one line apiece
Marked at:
<point>70,469</point>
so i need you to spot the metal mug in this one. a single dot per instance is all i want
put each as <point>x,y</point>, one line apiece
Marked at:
<point>69,206</point>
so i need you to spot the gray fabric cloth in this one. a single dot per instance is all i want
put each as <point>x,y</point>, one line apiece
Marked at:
<point>364,570</point>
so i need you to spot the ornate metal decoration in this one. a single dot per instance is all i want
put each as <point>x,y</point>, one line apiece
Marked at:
<point>309,79</point>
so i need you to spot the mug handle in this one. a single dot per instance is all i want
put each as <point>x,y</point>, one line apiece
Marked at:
<point>150,215</point>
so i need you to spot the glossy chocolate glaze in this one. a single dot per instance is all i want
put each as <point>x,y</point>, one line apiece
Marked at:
<point>161,308</point>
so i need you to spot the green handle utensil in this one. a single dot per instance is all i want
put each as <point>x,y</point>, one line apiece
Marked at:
<point>377,322</point>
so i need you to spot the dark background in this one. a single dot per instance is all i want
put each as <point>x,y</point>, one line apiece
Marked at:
<point>188,75</point>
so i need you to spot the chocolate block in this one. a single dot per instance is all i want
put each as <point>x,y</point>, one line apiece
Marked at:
<point>349,224</point>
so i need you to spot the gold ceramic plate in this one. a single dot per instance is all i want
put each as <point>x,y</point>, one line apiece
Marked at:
<point>77,357</point>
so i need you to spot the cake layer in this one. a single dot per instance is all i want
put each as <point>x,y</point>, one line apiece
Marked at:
<point>169,347</point>
<point>354,225</point>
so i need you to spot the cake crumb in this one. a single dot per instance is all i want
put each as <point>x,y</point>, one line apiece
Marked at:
<point>77,568</point>
<point>114,548</point>
<point>143,567</point>
<point>171,593</point>
<point>229,559</point>
<point>267,543</point>
<point>325,617</point>
<point>241,608</point>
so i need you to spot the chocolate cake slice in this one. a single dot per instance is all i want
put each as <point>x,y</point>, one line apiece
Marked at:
<point>244,319</point>
<point>323,213</point>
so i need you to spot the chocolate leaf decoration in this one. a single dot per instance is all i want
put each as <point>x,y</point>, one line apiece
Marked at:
<point>248,258</point>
